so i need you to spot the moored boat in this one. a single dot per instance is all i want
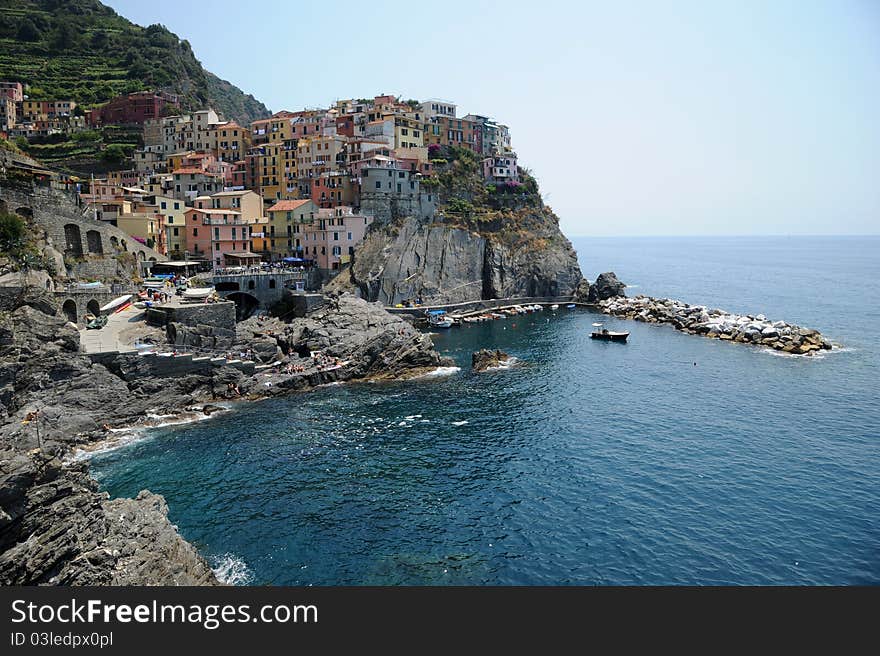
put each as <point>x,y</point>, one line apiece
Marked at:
<point>607,335</point>
<point>197,293</point>
<point>554,307</point>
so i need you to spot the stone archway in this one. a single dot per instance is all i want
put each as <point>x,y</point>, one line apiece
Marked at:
<point>142,256</point>
<point>124,245</point>
<point>94,242</point>
<point>69,309</point>
<point>245,304</point>
<point>25,212</point>
<point>73,240</point>
<point>93,307</point>
<point>271,283</point>
<point>114,242</point>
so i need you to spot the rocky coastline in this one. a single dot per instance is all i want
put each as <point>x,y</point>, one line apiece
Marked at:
<point>718,324</point>
<point>56,526</point>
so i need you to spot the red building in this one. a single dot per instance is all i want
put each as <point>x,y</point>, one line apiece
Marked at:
<point>132,108</point>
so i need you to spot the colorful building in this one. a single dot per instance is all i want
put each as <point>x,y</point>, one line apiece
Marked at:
<point>287,219</point>
<point>331,238</point>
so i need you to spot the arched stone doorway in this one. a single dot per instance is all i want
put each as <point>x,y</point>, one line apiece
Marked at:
<point>93,307</point>
<point>26,212</point>
<point>73,240</point>
<point>94,242</point>
<point>245,304</point>
<point>69,309</point>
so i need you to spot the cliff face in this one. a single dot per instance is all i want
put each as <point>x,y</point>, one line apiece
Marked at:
<point>483,241</point>
<point>446,263</point>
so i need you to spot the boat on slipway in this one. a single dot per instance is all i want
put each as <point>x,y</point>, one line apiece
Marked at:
<point>118,304</point>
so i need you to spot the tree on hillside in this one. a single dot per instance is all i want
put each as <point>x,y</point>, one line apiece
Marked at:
<point>28,31</point>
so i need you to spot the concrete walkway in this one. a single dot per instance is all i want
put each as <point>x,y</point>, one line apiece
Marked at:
<point>106,339</point>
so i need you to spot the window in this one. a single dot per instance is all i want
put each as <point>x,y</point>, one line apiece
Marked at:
<point>335,236</point>
<point>177,205</point>
<point>176,232</point>
<point>195,231</point>
<point>349,235</point>
<point>378,184</point>
<point>164,205</point>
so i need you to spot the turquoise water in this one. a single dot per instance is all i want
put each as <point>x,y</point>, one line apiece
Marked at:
<point>586,463</point>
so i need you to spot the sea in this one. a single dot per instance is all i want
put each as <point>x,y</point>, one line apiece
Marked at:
<point>671,459</point>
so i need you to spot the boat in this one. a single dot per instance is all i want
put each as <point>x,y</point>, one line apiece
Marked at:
<point>97,323</point>
<point>117,304</point>
<point>438,319</point>
<point>608,335</point>
<point>197,293</point>
<point>554,307</point>
<point>570,306</point>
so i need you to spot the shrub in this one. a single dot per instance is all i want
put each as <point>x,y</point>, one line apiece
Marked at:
<point>13,232</point>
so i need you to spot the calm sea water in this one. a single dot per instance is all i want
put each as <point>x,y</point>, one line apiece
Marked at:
<point>671,459</point>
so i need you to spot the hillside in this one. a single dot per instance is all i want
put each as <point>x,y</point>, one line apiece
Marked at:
<point>85,51</point>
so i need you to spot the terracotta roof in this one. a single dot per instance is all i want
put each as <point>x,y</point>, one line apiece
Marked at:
<point>287,205</point>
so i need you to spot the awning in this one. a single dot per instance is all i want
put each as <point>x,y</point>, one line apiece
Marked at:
<point>293,259</point>
<point>243,256</point>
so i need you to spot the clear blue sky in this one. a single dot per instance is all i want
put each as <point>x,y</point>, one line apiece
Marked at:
<point>638,118</point>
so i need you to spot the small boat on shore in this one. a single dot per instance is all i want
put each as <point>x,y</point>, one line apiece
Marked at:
<point>554,307</point>
<point>607,335</point>
<point>117,304</point>
<point>570,306</point>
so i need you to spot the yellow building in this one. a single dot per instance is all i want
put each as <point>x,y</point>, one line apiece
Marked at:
<point>175,222</point>
<point>285,226</point>
<point>145,226</point>
<point>232,141</point>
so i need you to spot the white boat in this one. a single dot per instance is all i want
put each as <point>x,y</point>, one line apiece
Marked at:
<point>554,307</point>
<point>198,293</point>
<point>116,304</point>
<point>439,319</point>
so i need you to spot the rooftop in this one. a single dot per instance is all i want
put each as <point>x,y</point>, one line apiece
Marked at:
<point>287,205</point>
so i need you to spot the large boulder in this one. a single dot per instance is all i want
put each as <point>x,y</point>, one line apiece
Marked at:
<point>606,286</point>
<point>486,359</point>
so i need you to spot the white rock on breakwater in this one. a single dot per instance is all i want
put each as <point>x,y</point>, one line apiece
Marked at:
<point>718,324</point>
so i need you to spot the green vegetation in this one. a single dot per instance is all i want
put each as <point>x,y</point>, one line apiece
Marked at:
<point>84,51</point>
<point>17,247</point>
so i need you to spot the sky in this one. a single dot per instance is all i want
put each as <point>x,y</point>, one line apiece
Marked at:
<point>637,118</point>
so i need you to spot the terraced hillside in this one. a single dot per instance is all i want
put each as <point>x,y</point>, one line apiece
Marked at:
<point>83,50</point>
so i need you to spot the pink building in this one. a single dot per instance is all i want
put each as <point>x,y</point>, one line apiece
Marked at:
<point>12,90</point>
<point>501,169</point>
<point>331,238</point>
<point>222,237</point>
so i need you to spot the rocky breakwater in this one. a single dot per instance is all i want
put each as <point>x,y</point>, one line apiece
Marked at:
<point>719,324</point>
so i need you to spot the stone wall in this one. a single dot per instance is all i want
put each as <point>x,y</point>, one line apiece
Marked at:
<point>94,247</point>
<point>217,315</point>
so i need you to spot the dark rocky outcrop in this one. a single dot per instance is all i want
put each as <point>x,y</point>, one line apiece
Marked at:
<point>606,286</point>
<point>373,343</point>
<point>486,359</point>
<point>57,528</point>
